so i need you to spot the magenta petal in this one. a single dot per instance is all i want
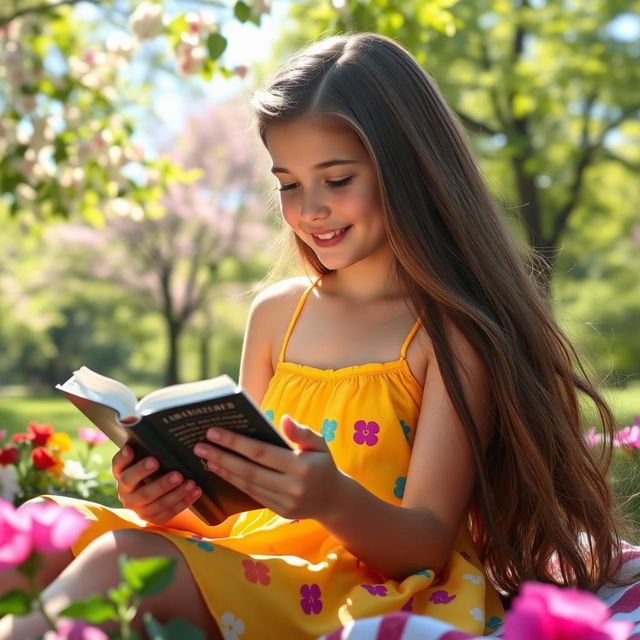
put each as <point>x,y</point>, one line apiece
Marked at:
<point>15,536</point>
<point>54,528</point>
<point>617,629</point>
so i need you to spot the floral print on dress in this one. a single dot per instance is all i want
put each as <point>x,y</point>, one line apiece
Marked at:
<point>365,432</point>
<point>329,429</point>
<point>493,623</point>
<point>270,415</point>
<point>473,578</point>
<point>408,605</point>
<point>375,589</point>
<point>406,429</point>
<point>477,614</point>
<point>230,626</point>
<point>398,490</point>
<point>256,572</point>
<point>310,601</point>
<point>424,572</point>
<point>201,544</point>
<point>441,597</point>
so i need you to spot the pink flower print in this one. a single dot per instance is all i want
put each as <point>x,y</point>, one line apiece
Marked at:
<point>441,597</point>
<point>256,572</point>
<point>310,601</point>
<point>375,589</point>
<point>365,432</point>
<point>408,605</point>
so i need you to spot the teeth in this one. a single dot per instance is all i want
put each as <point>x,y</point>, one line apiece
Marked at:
<point>328,236</point>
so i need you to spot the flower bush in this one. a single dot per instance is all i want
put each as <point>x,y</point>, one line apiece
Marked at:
<point>30,532</point>
<point>37,461</point>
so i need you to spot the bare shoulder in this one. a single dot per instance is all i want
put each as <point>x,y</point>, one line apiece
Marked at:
<point>286,291</point>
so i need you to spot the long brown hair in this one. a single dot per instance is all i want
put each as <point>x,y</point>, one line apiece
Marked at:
<point>540,494</point>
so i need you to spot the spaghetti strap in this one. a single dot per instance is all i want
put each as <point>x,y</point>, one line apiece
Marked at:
<point>294,318</point>
<point>408,339</point>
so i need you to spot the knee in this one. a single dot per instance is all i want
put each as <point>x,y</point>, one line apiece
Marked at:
<point>133,543</point>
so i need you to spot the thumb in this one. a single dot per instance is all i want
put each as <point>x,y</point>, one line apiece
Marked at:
<point>302,438</point>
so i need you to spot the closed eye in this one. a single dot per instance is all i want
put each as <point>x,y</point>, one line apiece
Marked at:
<point>332,184</point>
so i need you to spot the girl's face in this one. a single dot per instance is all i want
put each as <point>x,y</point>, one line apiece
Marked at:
<point>329,192</point>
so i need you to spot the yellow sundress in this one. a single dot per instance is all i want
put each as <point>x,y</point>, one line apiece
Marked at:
<point>273,577</point>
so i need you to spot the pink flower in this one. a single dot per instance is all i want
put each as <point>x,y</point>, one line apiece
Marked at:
<point>592,437</point>
<point>53,528</point>
<point>91,436</point>
<point>365,432</point>
<point>547,612</point>
<point>15,536</point>
<point>3,434</point>
<point>628,437</point>
<point>74,630</point>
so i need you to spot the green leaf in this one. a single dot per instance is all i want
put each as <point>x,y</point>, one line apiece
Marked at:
<point>94,609</point>
<point>242,11</point>
<point>148,576</point>
<point>120,594</point>
<point>15,602</point>
<point>175,629</point>
<point>216,44</point>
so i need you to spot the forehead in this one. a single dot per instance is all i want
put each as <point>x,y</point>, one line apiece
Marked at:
<point>310,139</point>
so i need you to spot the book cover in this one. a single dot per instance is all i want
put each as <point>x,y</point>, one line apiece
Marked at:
<point>170,433</point>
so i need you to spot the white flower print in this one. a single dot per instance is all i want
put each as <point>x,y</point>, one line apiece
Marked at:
<point>477,614</point>
<point>474,578</point>
<point>232,628</point>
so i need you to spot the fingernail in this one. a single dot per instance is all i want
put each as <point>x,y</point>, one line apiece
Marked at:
<point>126,452</point>
<point>174,478</point>
<point>200,450</point>
<point>149,464</point>
<point>213,434</point>
<point>196,492</point>
<point>189,485</point>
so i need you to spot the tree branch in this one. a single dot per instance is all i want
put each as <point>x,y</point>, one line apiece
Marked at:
<point>41,8</point>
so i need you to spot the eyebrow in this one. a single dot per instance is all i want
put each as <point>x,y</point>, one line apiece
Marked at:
<point>320,165</point>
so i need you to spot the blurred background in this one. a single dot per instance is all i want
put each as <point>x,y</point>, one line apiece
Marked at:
<point>137,210</point>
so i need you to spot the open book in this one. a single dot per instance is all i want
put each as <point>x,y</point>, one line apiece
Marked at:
<point>167,423</point>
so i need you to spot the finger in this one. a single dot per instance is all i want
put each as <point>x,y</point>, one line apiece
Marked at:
<point>149,492</point>
<point>218,459</point>
<point>268,455</point>
<point>172,503</point>
<point>302,437</point>
<point>136,473</point>
<point>121,460</point>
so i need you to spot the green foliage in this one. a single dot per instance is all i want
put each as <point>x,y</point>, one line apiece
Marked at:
<point>147,576</point>
<point>15,602</point>
<point>175,629</point>
<point>95,609</point>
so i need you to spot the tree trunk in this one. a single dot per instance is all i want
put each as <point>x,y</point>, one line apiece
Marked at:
<point>174,331</point>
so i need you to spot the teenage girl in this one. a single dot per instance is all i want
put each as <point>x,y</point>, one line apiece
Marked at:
<point>431,397</point>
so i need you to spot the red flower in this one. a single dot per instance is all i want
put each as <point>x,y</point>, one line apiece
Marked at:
<point>38,434</point>
<point>9,455</point>
<point>42,458</point>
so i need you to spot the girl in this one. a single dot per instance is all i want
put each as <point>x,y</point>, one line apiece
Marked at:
<point>419,373</point>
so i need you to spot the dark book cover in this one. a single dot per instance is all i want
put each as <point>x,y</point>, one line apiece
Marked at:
<point>170,435</point>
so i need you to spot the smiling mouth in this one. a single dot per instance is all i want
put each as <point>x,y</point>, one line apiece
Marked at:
<point>329,235</point>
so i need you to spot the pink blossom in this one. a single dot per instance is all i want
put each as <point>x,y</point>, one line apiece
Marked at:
<point>15,536</point>
<point>74,630</point>
<point>3,434</point>
<point>548,612</point>
<point>53,528</point>
<point>92,436</point>
<point>628,437</point>
<point>592,437</point>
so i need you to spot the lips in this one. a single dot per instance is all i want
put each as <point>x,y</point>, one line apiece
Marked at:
<point>329,237</point>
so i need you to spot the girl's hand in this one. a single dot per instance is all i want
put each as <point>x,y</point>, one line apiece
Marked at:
<point>294,484</point>
<point>158,500</point>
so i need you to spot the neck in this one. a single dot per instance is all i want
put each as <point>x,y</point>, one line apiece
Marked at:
<point>366,281</point>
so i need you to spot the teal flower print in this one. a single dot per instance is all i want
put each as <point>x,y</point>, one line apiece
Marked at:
<point>202,544</point>
<point>398,490</point>
<point>269,414</point>
<point>493,623</point>
<point>406,429</point>
<point>329,429</point>
<point>425,572</point>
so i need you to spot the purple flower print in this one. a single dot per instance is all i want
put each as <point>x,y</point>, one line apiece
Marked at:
<point>365,432</point>
<point>465,555</point>
<point>408,605</point>
<point>310,601</point>
<point>375,589</point>
<point>441,597</point>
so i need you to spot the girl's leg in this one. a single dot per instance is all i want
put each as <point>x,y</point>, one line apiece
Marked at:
<point>96,570</point>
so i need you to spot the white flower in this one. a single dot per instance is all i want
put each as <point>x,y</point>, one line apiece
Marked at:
<point>124,209</point>
<point>74,470</point>
<point>232,627</point>
<point>477,614</point>
<point>474,578</point>
<point>8,482</point>
<point>147,21</point>
<point>190,58</point>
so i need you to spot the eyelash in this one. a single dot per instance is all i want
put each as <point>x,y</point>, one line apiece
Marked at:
<point>333,184</point>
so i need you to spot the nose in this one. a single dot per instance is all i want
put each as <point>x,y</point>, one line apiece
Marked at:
<point>312,205</point>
